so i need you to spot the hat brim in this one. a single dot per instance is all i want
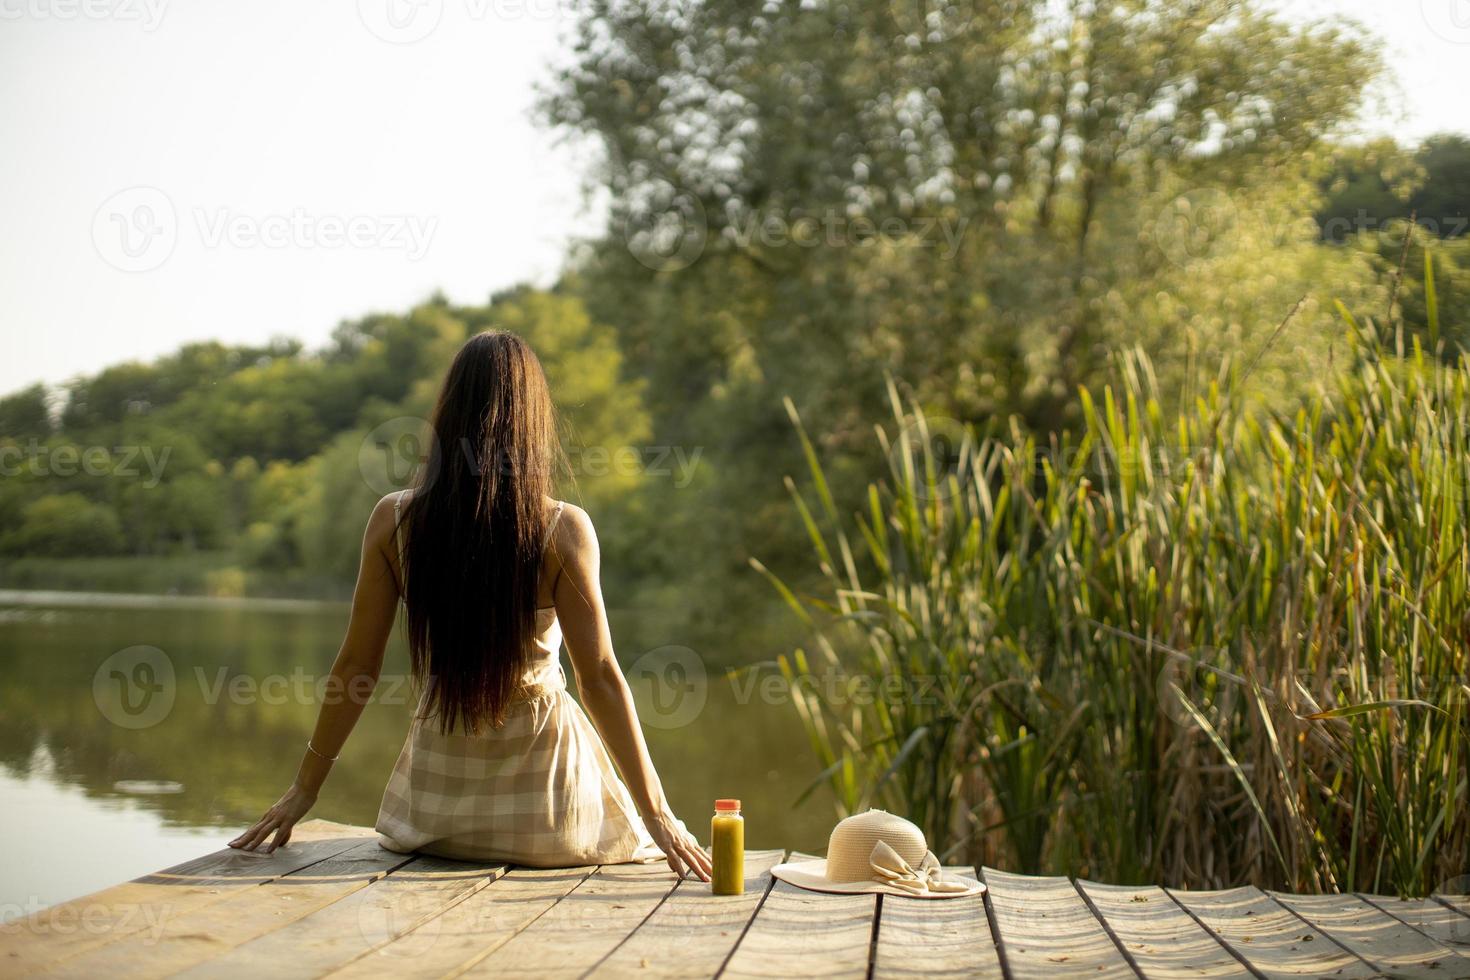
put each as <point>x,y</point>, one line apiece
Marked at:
<point>812,875</point>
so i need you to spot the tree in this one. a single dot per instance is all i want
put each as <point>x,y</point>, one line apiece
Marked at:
<point>1370,186</point>
<point>1444,198</point>
<point>64,525</point>
<point>984,199</point>
<point>1043,131</point>
<point>26,414</point>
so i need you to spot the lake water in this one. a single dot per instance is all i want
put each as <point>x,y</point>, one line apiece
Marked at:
<point>138,733</point>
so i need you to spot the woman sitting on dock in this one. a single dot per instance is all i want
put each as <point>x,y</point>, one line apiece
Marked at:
<point>500,762</point>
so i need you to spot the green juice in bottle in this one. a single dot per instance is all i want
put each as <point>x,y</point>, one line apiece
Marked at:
<point>727,846</point>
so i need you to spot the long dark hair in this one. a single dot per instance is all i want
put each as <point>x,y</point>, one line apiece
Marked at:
<point>474,532</point>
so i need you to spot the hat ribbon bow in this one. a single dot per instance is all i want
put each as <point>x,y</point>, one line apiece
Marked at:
<point>890,868</point>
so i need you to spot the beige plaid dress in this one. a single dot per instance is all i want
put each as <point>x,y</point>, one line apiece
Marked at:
<point>540,790</point>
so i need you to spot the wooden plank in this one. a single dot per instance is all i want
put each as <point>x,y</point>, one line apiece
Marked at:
<point>1047,930</point>
<point>470,930</point>
<point>204,933</point>
<point>355,925</point>
<point>144,906</point>
<point>924,937</point>
<point>1268,936</point>
<point>1377,937</point>
<point>318,829</point>
<point>576,933</point>
<point>1164,941</point>
<point>1436,920</point>
<point>1458,902</point>
<point>693,932</point>
<point>801,933</point>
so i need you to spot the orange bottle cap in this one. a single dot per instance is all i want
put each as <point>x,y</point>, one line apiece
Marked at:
<point>727,804</point>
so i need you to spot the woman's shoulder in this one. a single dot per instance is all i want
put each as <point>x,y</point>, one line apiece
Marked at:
<point>392,504</point>
<point>573,531</point>
<point>387,512</point>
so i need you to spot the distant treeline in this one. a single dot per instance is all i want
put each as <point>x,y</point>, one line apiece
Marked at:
<point>271,457</point>
<point>986,204</point>
<point>1374,185</point>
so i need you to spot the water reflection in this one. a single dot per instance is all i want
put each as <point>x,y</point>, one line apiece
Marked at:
<point>191,720</point>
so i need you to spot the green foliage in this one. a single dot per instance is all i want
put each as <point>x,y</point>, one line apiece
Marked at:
<point>1230,619</point>
<point>259,452</point>
<point>1435,273</point>
<point>988,200</point>
<point>25,415</point>
<point>995,196</point>
<point>1371,186</point>
<point>64,525</point>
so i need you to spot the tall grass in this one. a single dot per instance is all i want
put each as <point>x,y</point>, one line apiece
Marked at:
<point>1209,647</point>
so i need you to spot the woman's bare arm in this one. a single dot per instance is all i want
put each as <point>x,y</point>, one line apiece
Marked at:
<point>350,686</point>
<point>604,691</point>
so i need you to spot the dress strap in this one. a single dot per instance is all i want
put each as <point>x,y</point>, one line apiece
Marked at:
<point>398,530</point>
<point>551,525</point>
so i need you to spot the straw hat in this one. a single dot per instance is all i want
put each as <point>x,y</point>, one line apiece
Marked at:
<point>877,853</point>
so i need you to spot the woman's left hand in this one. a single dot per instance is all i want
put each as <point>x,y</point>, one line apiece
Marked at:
<point>279,818</point>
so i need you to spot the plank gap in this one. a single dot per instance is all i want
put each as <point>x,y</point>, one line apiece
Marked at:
<point>490,879</point>
<point>678,883</point>
<point>470,964</point>
<point>1271,939</point>
<point>745,930</point>
<point>1453,906</point>
<point>1050,930</point>
<point>1310,925</point>
<point>1386,941</point>
<point>1430,919</point>
<point>937,939</point>
<point>873,936</point>
<point>1107,926</point>
<point>1239,958</point>
<point>995,936</point>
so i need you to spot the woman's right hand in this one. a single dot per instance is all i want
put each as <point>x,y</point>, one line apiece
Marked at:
<point>679,846</point>
<point>279,819</point>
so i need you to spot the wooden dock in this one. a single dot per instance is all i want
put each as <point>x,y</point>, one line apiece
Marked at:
<point>336,904</point>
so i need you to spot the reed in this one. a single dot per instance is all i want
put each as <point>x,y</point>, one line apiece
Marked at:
<point>1210,646</point>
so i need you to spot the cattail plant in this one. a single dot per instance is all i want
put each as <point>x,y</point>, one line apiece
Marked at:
<point>1210,646</point>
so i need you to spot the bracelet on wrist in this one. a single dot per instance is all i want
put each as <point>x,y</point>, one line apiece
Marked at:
<point>313,750</point>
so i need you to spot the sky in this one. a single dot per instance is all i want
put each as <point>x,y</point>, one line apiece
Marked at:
<point>179,170</point>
